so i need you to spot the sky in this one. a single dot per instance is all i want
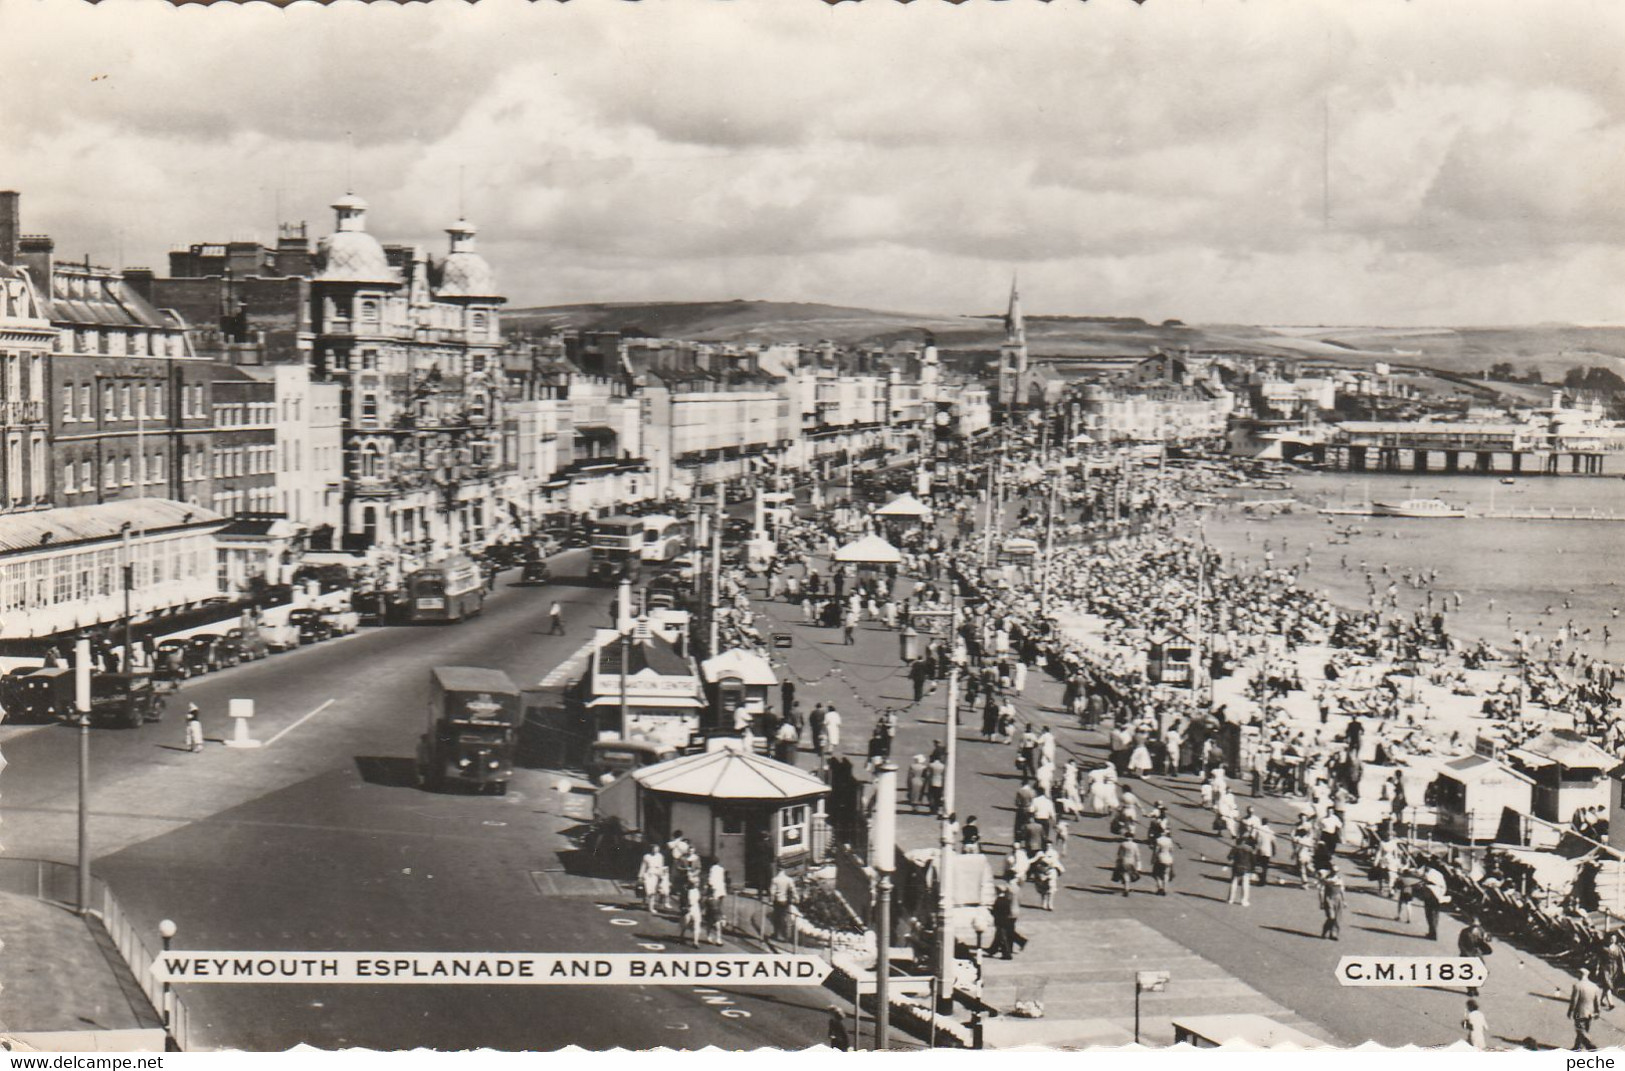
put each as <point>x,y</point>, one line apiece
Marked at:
<point>1391,162</point>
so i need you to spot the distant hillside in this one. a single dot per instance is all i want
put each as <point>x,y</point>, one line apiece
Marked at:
<point>1552,348</point>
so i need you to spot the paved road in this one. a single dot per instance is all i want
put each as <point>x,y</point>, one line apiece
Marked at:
<point>321,841</point>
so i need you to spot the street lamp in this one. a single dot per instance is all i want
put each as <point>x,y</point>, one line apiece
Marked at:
<point>81,674</point>
<point>1146,982</point>
<point>166,930</point>
<point>885,862</point>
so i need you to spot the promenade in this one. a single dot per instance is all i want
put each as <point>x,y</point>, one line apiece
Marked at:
<point>1267,958</point>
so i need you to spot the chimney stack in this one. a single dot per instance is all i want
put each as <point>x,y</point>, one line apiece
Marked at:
<point>10,225</point>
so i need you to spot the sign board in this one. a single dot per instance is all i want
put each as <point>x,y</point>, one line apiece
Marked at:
<point>1151,981</point>
<point>487,968</point>
<point>781,640</point>
<point>1411,971</point>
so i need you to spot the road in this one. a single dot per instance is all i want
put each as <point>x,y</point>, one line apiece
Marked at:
<point>321,841</point>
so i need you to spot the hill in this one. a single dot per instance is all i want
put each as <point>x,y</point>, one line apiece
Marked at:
<point>1551,348</point>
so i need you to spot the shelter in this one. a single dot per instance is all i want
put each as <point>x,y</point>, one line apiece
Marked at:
<point>1171,659</point>
<point>904,507</point>
<point>738,680</point>
<point>870,550</point>
<point>1470,794</point>
<point>1569,772</point>
<point>746,811</point>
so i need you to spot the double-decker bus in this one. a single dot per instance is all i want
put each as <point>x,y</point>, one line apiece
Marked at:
<point>664,537</point>
<point>616,550</point>
<point>449,590</point>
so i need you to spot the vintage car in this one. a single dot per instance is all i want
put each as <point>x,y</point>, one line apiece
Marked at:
<point>342,620</point>
<point>214,650</point>
<point>178,660</point>
<point>535,571</point>
<point>609,759</point>
<point>313,625</point>
<point>251,644</point>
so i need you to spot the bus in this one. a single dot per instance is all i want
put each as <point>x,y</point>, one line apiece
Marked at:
<point>616,550</point>
<point>664,537</point>
<point>449,590</point>
<point>472,729</point>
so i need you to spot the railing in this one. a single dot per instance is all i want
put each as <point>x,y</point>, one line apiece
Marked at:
<point>57,883</point>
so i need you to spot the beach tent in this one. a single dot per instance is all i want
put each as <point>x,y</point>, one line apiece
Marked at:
<point>1569,772</point>
<point>904,506</point>
<point>870,550</point>
<point>1083,438</point>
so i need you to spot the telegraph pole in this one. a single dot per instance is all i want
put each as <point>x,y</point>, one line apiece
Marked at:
<point>945,944</point>
<point>81,680</point>
<point>885,862</point>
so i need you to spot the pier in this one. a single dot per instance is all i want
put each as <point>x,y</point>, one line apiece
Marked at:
<point>1460,449</point>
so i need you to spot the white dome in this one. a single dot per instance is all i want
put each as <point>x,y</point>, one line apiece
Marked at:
<point>350,254</point>
<point>352,257</point>
<point>467,274</point>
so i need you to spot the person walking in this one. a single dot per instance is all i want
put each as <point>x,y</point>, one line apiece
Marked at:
<point>1477,1027</point>
<point>1332,902</point>
<point>1162,862</point>
<point>1126,869</point>
<point>1006,913</point>
<point>651,877</point>
<point>782,892</point>
<point>194,729</point>
<point>1242,863</point>
<point>555,619</point>
<point>838,1037</point>
<point>1585,1001</point>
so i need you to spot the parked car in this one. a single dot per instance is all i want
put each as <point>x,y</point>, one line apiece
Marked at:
<point>251,644</point>
<point>178,660</point>
<point>342,622</point>
<point>214,651</point>
<point>280,637</point>
<point>682,567</point>
<point>578,537</point>
<point>29,694</point>
<point>546,544</point>
<point>735,531</point>
<point>312,626</point>
<point>536,571</point>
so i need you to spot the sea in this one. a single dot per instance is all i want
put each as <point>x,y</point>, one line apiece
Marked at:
<point>1534,575</point>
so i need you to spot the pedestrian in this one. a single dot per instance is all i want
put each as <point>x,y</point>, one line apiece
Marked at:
<point>1264,848</point>
<point>1332,902</point>
<point>838,1038</point>
<point>918,773</point>
<point>555,618</point>
<point>971,837</point>
<point>651,876</point>
<point>787,695</point>
<point>1242,863</point>
<point>832,729</point>
<point>1474,943</point>
<point>1477,1027</point>
<point>1006,913</point>
<point>783,893</point>
<point>1162,862</point>
<point>1585,1001</point>
<point>194,729</point>
<point>691,923</point>
<point>1126,868</point>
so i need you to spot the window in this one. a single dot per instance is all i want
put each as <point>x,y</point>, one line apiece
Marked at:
<point>70,481</point>
<point>87,475</point>
<point>369,310</point>
<point>158,400</point>
<point>793,827</point>
<point>124,395</point>
<point>69,413</point>
<point>110,470</point>
<point>87,402</point>
<point>109,402</point>
<point>369,408</point>
<point>126,471</point>
<point>158,468</point>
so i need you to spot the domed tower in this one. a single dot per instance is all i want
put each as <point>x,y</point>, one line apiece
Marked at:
<point>350,254</point>
<point>465,279</point>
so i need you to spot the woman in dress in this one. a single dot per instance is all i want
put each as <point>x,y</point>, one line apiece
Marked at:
<point>1126,869</point>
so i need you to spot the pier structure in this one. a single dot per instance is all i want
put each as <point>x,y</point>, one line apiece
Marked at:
<point>1462,448</point>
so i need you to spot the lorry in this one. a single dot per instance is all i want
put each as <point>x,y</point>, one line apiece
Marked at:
<point>473,727</point>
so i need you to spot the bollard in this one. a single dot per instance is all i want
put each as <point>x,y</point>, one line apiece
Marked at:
<point>241,710</point>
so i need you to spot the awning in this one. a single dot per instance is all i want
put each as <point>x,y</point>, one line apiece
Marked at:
<point>107,520</point>
<point>674,702</point>
<point>747,666</point>
<point>869,550</point>
<point>904,506</point>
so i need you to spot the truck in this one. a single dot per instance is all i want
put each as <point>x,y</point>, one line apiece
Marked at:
<point>473,727</point>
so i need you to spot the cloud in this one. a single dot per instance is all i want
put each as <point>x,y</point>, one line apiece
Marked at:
<point>1273,160</point>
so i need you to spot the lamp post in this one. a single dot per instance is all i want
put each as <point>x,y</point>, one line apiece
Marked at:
<point>885,861</point>
<point>166,930</point>
<point>129,584</point>
<point>81,674</point>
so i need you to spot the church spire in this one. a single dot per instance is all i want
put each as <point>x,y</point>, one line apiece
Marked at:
<point>1015,328</point>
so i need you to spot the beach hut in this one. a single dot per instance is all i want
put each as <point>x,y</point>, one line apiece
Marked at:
<point>1171,659</point>
<point>738,679</point>
<point>748,812</point>
<point>1569,772</point>
<point>870,550</point>
<point>1470,795</point>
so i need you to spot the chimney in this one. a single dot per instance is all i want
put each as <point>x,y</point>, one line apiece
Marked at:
<point>10,222</point>
<point>139,280</point>
<point>34,252</point>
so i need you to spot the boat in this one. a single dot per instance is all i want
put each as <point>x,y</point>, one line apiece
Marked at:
<point>1508,480</point>
<point>1417,507</point>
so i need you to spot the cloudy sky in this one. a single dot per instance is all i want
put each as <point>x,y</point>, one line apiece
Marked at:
<point>1164,160</point>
